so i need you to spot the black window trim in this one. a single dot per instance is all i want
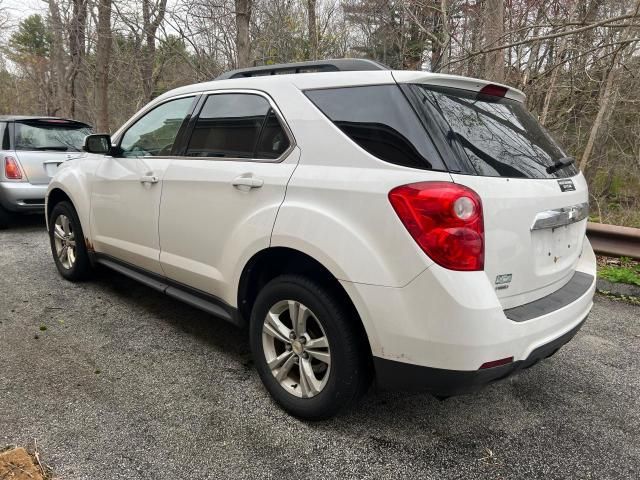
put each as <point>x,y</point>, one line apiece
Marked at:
<point>434,142</point>
<point>273,107</point>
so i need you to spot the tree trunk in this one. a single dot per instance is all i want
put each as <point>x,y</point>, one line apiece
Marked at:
<point>494,30</point>
<point>313,30</point>
<point>57,52</point>
<point>243,18</point>
<point>148,57</point>
<point>103,58</point>
<point>77,36</point>
<point>445,37</point>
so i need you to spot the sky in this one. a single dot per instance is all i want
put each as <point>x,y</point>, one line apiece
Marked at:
<point>19,9</point>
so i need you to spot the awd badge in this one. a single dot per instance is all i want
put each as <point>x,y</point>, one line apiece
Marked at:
<point>503,281</point>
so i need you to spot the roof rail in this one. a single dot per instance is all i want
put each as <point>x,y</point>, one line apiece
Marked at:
<point>337,65</point>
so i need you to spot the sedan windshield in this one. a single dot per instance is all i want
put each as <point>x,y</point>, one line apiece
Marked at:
<point>54,135</point>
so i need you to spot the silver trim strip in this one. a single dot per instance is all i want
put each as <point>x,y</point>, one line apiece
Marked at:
<point>560,216</point>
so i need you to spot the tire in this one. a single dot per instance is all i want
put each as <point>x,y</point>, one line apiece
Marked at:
<point>72,267</point>
<point>5,218</point>
<point>336,384</point>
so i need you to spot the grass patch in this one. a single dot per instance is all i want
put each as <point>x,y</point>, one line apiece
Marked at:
<point>623,271</point>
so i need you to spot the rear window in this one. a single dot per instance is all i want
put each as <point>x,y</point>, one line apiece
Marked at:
<point>498,136</point>
<point>379,119</point>
<point>55,135</point>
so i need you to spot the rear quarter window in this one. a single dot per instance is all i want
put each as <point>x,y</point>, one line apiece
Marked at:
<point>379,119</point>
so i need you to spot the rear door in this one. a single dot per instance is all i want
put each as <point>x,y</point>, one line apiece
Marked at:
<point>42,144</point>
<point>535,214</point>
<point>221,196</point>
<point>125,196</point>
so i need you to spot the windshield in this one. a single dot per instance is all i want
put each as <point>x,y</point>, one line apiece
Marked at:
<point>56,135</point>
<point>498,137</point>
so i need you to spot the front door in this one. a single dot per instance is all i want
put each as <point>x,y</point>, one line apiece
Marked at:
<point>126,192</point>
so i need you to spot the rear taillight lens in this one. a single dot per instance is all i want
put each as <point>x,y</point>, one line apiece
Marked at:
<point>12,169</point>
<point>445,219</point>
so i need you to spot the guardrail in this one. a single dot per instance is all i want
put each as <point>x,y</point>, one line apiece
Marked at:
<point>613,240</point>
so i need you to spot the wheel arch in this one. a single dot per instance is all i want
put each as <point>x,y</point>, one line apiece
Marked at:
<point>271,262</point>
<point>55,196</point>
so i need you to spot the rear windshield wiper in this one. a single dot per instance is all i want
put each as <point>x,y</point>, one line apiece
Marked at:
<point>561,163</point>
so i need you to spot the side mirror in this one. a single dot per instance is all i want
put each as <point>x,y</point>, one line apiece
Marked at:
<point>98,143</point>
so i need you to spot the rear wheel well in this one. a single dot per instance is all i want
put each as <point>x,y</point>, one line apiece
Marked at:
<point>56,196</point>
<point>273,262</point>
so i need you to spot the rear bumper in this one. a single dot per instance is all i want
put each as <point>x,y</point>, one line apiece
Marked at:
<point>22,197</point>
<point>451,323</point>
<point>392,375</point>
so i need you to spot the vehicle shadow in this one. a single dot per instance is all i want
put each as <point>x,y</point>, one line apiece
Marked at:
<point>32,222</point>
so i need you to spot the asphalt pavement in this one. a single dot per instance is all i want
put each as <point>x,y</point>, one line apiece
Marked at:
<point>116,381</point>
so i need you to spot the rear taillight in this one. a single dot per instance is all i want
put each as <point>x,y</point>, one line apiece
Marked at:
<point>12,169</point>
<point>445,219</point>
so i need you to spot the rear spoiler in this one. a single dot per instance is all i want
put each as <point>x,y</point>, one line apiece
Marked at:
<point>58,122</point>
<point>455,81</point>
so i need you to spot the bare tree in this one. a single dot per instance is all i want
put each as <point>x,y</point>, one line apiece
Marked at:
<point>103,58</point>
<point>243,42</point>
<point>494,31</point>
<point>313,29</point>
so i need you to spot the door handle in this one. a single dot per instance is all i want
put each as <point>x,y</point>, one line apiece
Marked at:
<point>149,179</point>
<point>247,182</point>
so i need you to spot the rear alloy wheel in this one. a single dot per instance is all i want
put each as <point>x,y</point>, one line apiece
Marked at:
<point>308,348</point>
<point>296,349</point>
<point>67,242</point>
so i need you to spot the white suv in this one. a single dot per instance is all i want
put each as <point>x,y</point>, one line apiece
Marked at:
<point>416,228</point>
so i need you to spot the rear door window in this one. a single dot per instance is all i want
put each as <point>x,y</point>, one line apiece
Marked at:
<point>499,137</point>
<point>50,135</point>
<point>237,125</point>
<point>380,120</point>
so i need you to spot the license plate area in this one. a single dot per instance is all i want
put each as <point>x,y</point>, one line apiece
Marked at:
<point>557,249</point>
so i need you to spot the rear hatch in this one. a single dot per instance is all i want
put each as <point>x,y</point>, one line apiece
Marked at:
<point>534,199</point>
<point>42,144</point>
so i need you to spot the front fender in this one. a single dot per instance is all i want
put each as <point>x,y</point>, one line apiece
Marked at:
<point>73,178</point>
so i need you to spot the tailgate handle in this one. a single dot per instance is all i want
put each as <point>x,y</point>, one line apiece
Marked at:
<point>560,216</point>
<point>149,179</point>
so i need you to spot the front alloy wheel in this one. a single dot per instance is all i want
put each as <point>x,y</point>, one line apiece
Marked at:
<point>296,348</point>
<point>64,241</point>
<point>67,242</point>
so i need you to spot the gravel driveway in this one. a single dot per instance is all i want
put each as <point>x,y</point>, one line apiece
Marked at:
<point>116,381</point>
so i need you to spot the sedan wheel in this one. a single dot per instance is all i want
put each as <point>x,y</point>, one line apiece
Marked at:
<point>296,348</point>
